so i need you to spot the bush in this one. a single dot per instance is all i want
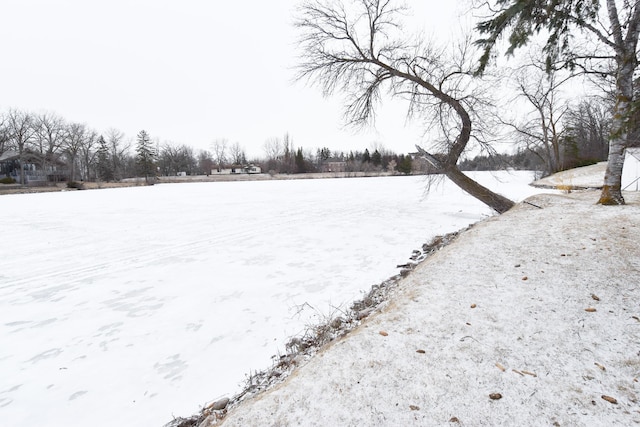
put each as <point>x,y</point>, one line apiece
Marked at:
<point>75,184</point>
<point>7,180</point>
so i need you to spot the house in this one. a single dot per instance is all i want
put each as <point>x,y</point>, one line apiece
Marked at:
<point>631,170</point>
<point>237,169</point>
<point>34,169</point>
<point>334,165</point>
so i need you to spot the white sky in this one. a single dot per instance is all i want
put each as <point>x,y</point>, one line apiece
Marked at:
<point>187,72</point>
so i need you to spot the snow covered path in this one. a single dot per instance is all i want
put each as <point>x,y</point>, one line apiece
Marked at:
<point>128,306</point>
<point>530,318</point>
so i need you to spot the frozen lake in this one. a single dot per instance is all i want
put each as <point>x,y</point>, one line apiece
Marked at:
<point>127,306</point>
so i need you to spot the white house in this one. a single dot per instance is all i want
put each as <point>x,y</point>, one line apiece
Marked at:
<point>631,170</point>
<point>237,169</point>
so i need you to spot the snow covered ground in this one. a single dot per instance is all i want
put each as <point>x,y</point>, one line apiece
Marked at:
<point>528,319</point>
<point>128,306</point>
<point>585,177</point>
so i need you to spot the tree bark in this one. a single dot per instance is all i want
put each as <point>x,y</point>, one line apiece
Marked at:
<point>612,188</point>
<point>625,49</point>
<point>496,201</point>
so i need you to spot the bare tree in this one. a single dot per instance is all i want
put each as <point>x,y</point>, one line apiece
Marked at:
<point>75,135</point>
<point>587,132</point>
<point>205,162</point>
<point>238,156</point>
<point>219,148</point>
<point>288,156</point>
<point>88,155</point>
<point>20,132</point>
<point>540,128</point>
<point>174,159</point>
<point>118,151</point>
<point>363,52</point>
<point>49,136</point>
<point>608,47</point>
<point>273,148</point>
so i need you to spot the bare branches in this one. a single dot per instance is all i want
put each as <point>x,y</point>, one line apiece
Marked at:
<point>334,57</point>
<point>362,52</point>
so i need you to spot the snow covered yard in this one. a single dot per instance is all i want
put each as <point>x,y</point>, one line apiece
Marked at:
<point>129,306</point>
<point>530,318</point>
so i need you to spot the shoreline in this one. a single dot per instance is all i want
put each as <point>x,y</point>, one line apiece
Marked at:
<point>539,325</point>
<point>6,189</point>
<point>300,349</point>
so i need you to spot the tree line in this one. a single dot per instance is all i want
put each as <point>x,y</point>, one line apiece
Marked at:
<point>46,147</point>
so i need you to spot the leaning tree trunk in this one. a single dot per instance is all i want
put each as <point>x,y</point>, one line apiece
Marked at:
<point>495,201</point>
<point>449,163</point>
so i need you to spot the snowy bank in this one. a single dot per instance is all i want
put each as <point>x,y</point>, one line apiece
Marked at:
<point>530,318</point>
<point>579,178</point>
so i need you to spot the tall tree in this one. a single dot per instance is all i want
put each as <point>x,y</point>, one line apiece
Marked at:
<point>104,164</point>
<point>72,146</point>
<point>145,157</point>
<point>88,155</point>
<point>21,131</point>
<point>119,152</point>
<point>300,163</point>
<point>363,53</point>
<point>539,127</point>
<point>610,49</point>
<point>238,156</point>
<point>366,157</point>
<point>376,158</point>
<point>219,148</point>
<point>586,138</point>
<point>205,162</point>
<point>49,136</point>
<point>405,164</point>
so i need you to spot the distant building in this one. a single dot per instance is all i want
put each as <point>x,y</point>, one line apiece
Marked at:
<point>32,163</point>
<point>237,169</point>
<point>334,165</point>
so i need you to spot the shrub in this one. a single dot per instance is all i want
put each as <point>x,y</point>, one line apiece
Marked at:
<point>75,184</point>
<point>7,180</point>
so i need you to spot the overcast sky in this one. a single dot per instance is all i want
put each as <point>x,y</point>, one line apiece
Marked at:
<point>187,72</point>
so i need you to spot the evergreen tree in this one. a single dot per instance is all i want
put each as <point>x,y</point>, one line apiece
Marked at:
<point>145,157</point>
<point>324,154</point>
<point>405,164</point>
<point>376,158</point>
<point>299,159</point>
<point>366,157</point>
<point>105,165</point>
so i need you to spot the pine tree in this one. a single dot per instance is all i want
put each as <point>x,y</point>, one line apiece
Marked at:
<point>366,157</point>
<point>299,159</point>
<point>105,165</point>
<point>145,157</point>
<point>404,164</point>
<point>376,158</point>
